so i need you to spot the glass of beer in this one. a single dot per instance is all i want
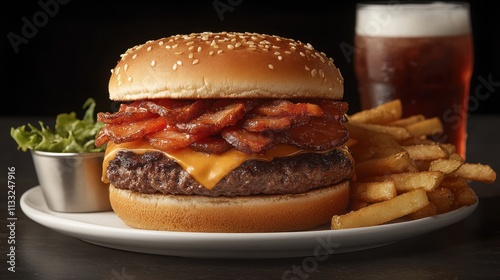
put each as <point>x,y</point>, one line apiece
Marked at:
<point>421,53</point>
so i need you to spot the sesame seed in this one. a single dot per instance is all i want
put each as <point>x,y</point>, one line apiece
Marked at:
<point>199,49</point>
<point>168,47</point>
<point>125,67</point>
<point>160,43</point>
<point>129,79</point>
<point>119,83</point>
<point>178,53</point>
<point>175,46</point>
<point>270,66</point>
<point>190,55</point>
<point>229,46</point>
<point>314,72</point>
<point>174,66</point>
<point>280,58</point>
<point>196,61</point>
<point>179,62</point>
<point>112,70</point>
<point>153,63</point>
<point>149,48</point>
<point>219,51</point>
<point>134,56</point>
<point>302,54</point>
<point>237,45</point>
<point>211,53</point>
<point>191,48</point>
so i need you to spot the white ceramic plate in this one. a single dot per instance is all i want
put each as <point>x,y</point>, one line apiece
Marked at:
<point>106,229</point>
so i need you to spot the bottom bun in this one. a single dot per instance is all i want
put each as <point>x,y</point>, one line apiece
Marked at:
<point>257,213</point>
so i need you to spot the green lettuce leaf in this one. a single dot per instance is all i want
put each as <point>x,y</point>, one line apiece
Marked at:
<point>71,135</point>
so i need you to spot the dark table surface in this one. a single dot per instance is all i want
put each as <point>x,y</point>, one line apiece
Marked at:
<point>469,249</point>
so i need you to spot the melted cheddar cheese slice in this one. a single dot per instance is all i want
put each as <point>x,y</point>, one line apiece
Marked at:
<point>207,169</point>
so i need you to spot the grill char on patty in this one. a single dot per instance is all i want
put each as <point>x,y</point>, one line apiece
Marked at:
<point>153,172</point>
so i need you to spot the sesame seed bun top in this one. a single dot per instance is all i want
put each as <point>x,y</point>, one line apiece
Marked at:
<point>224,65</point>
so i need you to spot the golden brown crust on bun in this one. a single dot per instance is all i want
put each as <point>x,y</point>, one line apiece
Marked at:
<point>224,65</point>
<point>266,213</point>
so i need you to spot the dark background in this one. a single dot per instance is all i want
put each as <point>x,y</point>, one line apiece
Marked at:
<point>68,56</point>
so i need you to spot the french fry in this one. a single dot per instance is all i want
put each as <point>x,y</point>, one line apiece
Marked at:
<point>387,112</point>
<point>476,172</point>
<point>427,211</point>
<point>373,191</point>
<point>407,121</point>
<point>456,156</point>
<point>426,151</point>
<point>373,147</point>
<point>425,127</point>
<point>450,148</point>
<point>396,162</point>
<point>382,212</point>
<point>445,166</point>
<point>453,183</point>
<point>398,133</point>
<point>408,181</point>
<point>464,197</point>
<point>442,198</point>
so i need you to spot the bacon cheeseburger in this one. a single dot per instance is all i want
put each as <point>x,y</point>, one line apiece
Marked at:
<point>226,132</point>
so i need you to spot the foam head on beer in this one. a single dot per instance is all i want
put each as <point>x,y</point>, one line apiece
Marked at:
<point>412,20</point>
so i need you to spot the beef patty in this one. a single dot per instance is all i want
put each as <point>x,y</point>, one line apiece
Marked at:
<point>153,172</point>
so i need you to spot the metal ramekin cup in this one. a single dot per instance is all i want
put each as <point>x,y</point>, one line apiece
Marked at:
<point>71,182</point>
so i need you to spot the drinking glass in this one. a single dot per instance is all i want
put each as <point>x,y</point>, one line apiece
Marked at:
<point>420,53</point>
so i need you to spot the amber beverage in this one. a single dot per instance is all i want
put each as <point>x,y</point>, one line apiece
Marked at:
<point>421,54</point>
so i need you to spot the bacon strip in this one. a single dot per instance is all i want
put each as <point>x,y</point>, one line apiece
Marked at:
<point>261,123</point>
<point>279,108</point>
<point>124,117</point>
<point>211,145</point>
<point>171,140</point>
<point>246,141</point>
<point>127,132</point>
<point>215,119</point>
<point>318,135</point>
<point>175,111</point>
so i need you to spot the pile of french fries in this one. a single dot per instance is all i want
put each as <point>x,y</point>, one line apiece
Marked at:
<point>401,172</point>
